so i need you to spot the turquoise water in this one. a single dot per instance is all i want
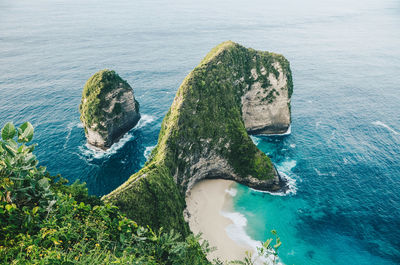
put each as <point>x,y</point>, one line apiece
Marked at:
<point>344,149</point>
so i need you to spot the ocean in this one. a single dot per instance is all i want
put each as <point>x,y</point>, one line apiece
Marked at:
<point>343,153</point>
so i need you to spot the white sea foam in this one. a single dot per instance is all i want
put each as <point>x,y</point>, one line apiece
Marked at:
<point>293,146</point>
<point>287,166</point>
<point>237,232</point>
<point>288,132</point>
<point>255,139</point>
<point>291,186</point>
<point>70,127</point>
<point>379,123</point>
<point>148,150</point>
<point>92,152</point>
<point>285,171</point>
<point>144,120</point>
<point>231,191</point>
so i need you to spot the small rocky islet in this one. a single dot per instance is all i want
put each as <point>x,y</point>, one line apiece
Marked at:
<point>233,92</point>
<point>108,109</point>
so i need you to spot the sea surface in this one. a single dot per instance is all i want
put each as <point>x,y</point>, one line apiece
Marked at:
<point>343,153</point>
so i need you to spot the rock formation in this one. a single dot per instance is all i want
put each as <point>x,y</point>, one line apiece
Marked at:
<point>108,108</point>
<point>233,91</point>
<point>266,107</point>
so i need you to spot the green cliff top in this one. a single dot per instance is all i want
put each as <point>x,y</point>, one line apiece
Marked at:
<point>93,96</point>
<point>203,127</point>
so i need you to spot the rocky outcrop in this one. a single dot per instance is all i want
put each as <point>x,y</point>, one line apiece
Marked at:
<point>266,110</point>
<point>108,109</point>
<point>233,91</point>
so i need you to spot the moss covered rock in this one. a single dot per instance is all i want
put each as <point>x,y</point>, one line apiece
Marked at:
<point>108,108</point>
<point>204,134</point>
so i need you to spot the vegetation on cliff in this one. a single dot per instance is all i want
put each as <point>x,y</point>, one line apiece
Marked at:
<point>93,96</point>
<point>203,136</point>
<point>44,221</point>
<point>108,108</point>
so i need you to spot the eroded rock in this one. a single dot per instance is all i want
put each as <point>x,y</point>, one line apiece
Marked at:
<point>233,91</point>
<point>108,109</point>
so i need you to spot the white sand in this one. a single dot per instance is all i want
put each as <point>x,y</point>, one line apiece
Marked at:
<point>205,202</point>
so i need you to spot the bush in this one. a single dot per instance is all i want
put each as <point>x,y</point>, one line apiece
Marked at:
<point>45,221</point>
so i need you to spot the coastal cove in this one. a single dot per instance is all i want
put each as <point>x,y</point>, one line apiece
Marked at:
<point>212,213</point>
<point>340,155</point>
<point>206,203</point>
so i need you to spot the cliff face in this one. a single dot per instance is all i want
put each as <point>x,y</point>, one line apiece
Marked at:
<point>108,108</point>
<point>266,107</point>
<point>205,133</point>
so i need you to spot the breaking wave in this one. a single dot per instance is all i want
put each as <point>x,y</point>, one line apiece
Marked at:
<point>237,232</point>
<point>91,152</point>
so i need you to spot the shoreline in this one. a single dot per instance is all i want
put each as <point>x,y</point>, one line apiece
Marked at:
<point>208,203</point>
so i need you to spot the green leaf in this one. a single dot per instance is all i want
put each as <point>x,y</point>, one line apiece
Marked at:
<point>35,210</point>
<point>27,132</point>
<point>31,148</point>
<point>9,207</point>
<point>20,148</point>
<point>7,161</point>
<point>31,160</point>
<point>10,148</point>
<point>11,143</point>
<point>267,243</point>
<point>8,131</point>
<point>277,245</point>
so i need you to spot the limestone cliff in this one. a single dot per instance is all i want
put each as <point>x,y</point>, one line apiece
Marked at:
<point>108,108</point>
<point>205,133</point>
<point>266,103</point>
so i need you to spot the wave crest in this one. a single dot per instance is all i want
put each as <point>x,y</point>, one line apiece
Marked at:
<point>91,152</point>
<point>381,124</point>
<point>147,151</point>
<point>237,232</point>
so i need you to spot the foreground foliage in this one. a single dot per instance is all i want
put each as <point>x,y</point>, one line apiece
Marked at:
<point>44,221</point>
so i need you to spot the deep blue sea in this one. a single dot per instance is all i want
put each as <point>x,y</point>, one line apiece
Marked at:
<point>344,149</point>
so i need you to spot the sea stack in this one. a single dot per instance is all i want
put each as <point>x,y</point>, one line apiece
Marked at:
<point>234,91</point>
<point>108,108</point>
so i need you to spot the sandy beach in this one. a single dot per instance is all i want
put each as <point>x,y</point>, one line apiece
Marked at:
<point>205,202</point>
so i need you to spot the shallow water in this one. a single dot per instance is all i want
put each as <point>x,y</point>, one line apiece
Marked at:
<point>344,147</point>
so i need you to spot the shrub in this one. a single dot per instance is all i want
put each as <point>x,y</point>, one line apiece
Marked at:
<point>45,221</point>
